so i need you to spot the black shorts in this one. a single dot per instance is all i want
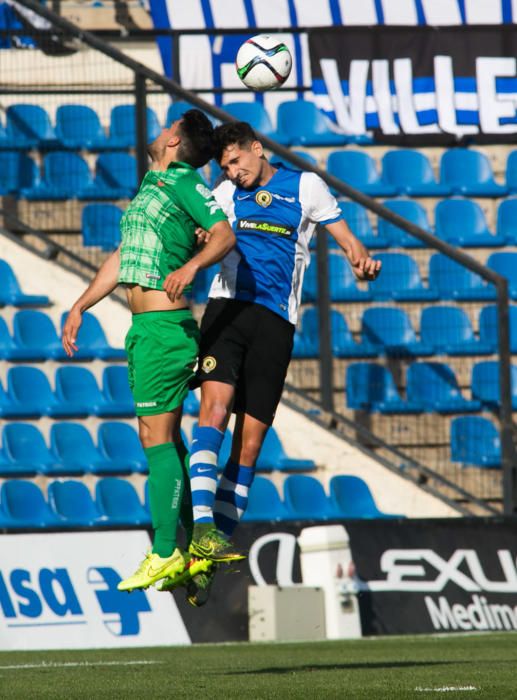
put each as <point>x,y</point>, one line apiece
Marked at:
<point>248,346</point>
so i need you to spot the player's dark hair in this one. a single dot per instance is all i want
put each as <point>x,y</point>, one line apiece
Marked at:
<point>197,138</point>
<point>239,133</point>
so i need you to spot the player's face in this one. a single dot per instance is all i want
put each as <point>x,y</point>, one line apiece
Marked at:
<point>166,137</point>
<point>243,165</point>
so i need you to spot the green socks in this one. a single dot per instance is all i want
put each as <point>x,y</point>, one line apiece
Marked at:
<point>166,491</point>
<point>186,515</point>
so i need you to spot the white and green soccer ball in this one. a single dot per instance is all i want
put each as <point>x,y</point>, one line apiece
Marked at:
<point>263,63</point>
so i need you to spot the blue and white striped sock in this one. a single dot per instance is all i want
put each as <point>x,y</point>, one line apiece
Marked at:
<point>231,498</point>
<point>204,452</point>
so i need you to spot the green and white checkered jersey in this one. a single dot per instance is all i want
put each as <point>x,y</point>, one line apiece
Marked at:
<point>158,226</point>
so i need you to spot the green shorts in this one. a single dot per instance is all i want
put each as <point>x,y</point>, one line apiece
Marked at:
<point>162,350</point>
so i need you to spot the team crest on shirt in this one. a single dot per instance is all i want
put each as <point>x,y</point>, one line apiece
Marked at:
<point>263,198</point>
<point>209,364</point>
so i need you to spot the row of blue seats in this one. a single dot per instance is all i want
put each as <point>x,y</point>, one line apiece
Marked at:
<point>388,331</point>
<point>70,504</point>
<point>458,221</point>
<point>401,281</point>
<point>462,171</point>
<point>67,175</point>
<point>72,450</point>
<point>430,387</point>
<point>35,338</point>
<point>475,441</point>
<point>78,126</point>
<point>77,393</point>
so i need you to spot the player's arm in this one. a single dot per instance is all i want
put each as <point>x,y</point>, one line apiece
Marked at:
<point>104,282</point>
<point>322,207</point>
<point>364,267</point>
<point>220,241</point>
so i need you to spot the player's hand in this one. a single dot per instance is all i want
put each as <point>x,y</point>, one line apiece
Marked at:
<point>363,266</point>
<point>202,236</point>
<point>70,330</point>
<point>176,281</point>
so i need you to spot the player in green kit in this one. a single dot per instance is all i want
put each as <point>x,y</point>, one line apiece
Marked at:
<point>159,238</point>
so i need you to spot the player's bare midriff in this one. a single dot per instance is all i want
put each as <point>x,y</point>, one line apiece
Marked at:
<point>142,299</point>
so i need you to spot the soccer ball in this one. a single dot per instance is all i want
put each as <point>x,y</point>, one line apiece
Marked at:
<point>263,63</point>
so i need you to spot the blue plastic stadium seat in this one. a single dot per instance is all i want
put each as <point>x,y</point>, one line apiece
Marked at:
<point>400,280</point>
<point>413,212</point>
<point>462,222</point>
<point>24,505</point>
<point>475,441</point>
<point>389,331</point>
<point>115,177</point>
<point>306,499</point>
<point>65,175</point>
<point>434,385</point>
<point>35,334</point>
<point>72,502</point>
<point>115,387</point>
<point>275,160</point>
<point>305,125</point>
<point>343,344</point>
<point>191,405</point>
<point>4,141</point>
<point>506,265</point>
<point>450,280</point>
<point>485,384</point>
<point>25,446</point>
<point>10,350</point>
<point>342,282</point>
<point>488,332</point>
<point>470,173</point>
<point>412,174</point>
<point>507,220</point>
<point>11,293</point>
<point>273,456</point>
<point>17,171</point>
<point>29,392</point>
<point>123,126</point>
<point>74,449</point>
<point>358,169</point>
<point>202,282</point>
<point>120,444</point>
<point>448,330</point>
<point>100,225</point>
<point>28,126</point>
<point>351,498</point>
<point>357,219</point>
<point>18,462</point>
<point>92,342</point>
<point>371,387</point>
<point>118,501</point>
<point>10,469</point>
<point>78,393</point>
<point>78,127</point>
<point>256,115</point>
<point>264,502</point>
<point>511,173</point>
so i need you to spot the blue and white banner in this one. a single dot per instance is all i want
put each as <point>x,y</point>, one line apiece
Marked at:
<point>59,591</point>
<point>455,80</point>
<point>249,14</point>
<point>206,61</point>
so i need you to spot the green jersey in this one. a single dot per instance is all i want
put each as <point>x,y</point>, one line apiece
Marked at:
<point>158,226</point>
